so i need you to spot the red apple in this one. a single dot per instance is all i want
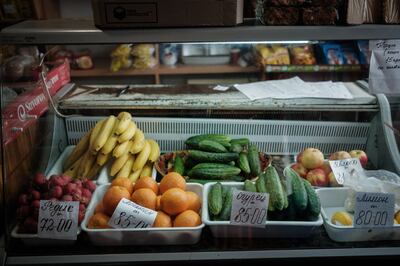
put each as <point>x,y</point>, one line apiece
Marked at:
<point>360,155</point>
<point>317,177</point>
<point>300,169</point>
<point>312,158</point>
<point>326,167</point>
<point>339,155</point>
<point>332,180</point>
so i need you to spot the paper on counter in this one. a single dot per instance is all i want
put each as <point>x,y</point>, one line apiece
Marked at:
<point>221,88</point>
<point>294,88</point>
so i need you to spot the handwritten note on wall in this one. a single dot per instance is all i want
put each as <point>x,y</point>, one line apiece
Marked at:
<point>384,75</point>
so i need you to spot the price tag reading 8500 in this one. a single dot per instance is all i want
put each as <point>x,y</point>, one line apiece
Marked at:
<point>373,210</point>
<point>249,208</point>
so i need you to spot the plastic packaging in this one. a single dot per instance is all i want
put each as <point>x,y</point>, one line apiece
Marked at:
<point>322,15</point>
<point>364,11</point>
<point>281,15</point>
<point>332,54</point>
<point>391,11</point>
<point>273,55</point>
<point>302,55</point>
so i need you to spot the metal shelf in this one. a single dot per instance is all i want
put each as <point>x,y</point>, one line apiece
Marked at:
<point>84,32</point>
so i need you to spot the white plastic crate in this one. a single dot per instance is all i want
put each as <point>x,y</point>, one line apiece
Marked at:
<point>271,136</point>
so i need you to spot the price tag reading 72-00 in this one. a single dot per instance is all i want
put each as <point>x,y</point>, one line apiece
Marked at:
<point>58,219</point>
<point>343,169</point>
<point>131,215</point>
<point>373,210</point>
<point>249,208</point>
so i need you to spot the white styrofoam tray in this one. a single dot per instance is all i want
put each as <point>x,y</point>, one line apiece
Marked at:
<point>103,176</point>
<point>272,229</point>
<point>332,200</point>
<point>145,236</point>
<point>34,240</point>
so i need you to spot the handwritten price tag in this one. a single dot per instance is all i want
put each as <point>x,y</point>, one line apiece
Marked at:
<point>343,169</point>
<point>373,210</point>
<point>130,215</point>
<point>249,208</point>
<point>58,219</point>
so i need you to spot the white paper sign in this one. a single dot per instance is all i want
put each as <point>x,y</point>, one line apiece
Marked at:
<point>249,208</point>
<point>384,73</point>
<point>58,219</point>
<point>343,169</point>
<point>131,215</point>
<point>373,210</point>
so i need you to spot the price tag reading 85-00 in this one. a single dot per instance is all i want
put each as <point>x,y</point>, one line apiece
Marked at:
<point>373,210</point>
<point>131,215</point>
<point>58,219</point>
<point>249,208</point>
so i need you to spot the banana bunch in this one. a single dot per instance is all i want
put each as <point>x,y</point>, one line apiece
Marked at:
<point>117,139</point>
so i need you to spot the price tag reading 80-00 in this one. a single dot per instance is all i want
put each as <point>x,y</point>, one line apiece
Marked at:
<point>58,219</point>
<point>131,215</point>
<point>249,208</point>
<point>373,210</point>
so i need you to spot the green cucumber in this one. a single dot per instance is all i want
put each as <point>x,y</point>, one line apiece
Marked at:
<point>236,148</point>
<point>215,199</point>
<point>211,146</point>
<point>299,192</point>
<point>261,184</point>
<point>242,141</point>
<point>243,163</point>
<point>213,171</point>
<point>254,160</point>
<point>212,157</point>
<point>236,178</point>
<point>313,203</point>
<point>249,186</point>
<point>220,138</point>
<point>225,213</point>
<point>274,188</point>
<point>205,181</point>
<point>179,165</point>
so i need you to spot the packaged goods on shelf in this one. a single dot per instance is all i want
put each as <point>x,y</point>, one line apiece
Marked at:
<point>302,55</point>
<point>319,15</point>
<point>391,11</point>
<point>364,11</point>
<point>349,54</point>
<point>364,52</point>
<point>273,55</point>
<point>331,54</point>
<point>281,15</point>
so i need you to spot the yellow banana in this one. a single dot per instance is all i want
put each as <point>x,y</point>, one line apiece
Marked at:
<point>118,163</point>
<point>142,157</point>
<point>126,169</point>
<point>95,132</point>
<point>138,142</point>
<point>94,171</point>
<point>102,159</point>
<point>128,133</point>
<point>104,134</point>
<point>121,149</point>
<point>147,170</point>
<point>397,217</point>
<point>78,150</point>
<point>72,170</point>
<point>341,218</point>
<point>86,164</point>
<point>155,150</point>
<point>124,119</point>
<point>111,141</point>
<point>134,175</point>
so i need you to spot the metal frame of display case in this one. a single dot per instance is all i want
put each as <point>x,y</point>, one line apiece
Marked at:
<point>84,32</point>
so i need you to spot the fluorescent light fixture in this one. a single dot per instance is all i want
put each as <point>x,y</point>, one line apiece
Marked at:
<point>250,42</point>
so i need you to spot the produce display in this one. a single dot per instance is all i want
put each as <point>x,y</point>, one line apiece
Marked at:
<point>58,188</point>
<point>301,205</point>
<point>215,157</point>
<point>176,206</point>
<point>116,140</point>
<point>344,218</point>
<point>311,165</point>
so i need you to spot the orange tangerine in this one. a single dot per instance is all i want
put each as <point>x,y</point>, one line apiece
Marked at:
<point>174,201</point>
<point>146,182</point>
<point>145,197</point>
<point>187,218</point>
<point>112,197</point>
<point>172,180</point>
<point>123,182</point>
<point>99,221</point>
<point>194,201</point>
<point>162,220</point>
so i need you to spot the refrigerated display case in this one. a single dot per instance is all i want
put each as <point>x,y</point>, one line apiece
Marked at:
<point>172,113</point>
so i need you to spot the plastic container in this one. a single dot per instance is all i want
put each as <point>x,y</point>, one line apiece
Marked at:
<point>146,236</point>
<point>103,176</point>
<point>273,229</point>
<point>33,240</point>
<point>332,200</point>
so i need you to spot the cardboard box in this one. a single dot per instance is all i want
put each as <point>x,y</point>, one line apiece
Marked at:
<point>166,13</point>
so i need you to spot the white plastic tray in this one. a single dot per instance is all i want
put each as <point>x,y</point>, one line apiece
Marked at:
<point>146,236</point>
<point>332,200</point>
<point>273,229</point>
<point>103,177</point>
<point>34,240</point>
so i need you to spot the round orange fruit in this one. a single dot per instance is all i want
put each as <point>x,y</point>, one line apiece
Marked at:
<point>99,208</point>
<point>162,220</point>
<point>174,201</point>
<point>145,197</point>
<point>187,218</point>
<point>112,197</point>
<point>172,180</point>
<point>158,203</point>
<point>146,182</point>
<point>194,201</point>
<point>99,221</point>
<point>123,182</point>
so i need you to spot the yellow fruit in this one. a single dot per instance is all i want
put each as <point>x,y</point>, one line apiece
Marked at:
<point>138,142</point>
<point>341,218</point>
<point>118,164</point>
<point>155,150</point>
<point>142,158</point>
<point>124,119</point>
<point>128,133</point>
<point>397,217</point>
<point>78,151</point>
<point>104,134</point>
